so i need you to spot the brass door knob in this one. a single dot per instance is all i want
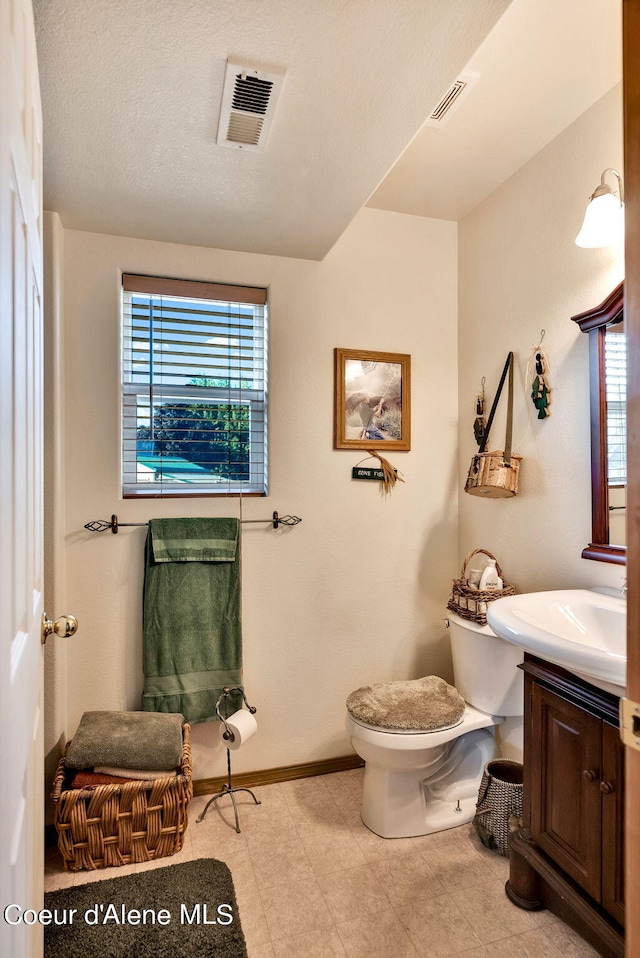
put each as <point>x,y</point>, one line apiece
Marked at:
<point>63,626</point>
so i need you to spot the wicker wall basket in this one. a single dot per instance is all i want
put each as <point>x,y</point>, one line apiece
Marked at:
<point>120,824</point>
<point>472,603</point>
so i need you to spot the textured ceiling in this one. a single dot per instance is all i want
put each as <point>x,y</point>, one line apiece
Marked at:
<point>132,88</point>
<point>541,67</point>
<point>131,95</point>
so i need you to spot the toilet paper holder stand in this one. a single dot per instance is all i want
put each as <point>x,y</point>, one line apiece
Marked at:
<point>228,736</point>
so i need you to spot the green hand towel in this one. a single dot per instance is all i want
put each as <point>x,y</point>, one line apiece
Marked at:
<point>192,632</point>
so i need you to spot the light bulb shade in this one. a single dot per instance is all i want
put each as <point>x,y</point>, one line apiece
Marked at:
<point>603,222</point>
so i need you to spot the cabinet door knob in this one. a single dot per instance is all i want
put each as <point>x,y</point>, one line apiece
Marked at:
<point>589,775</point>
<point>607,787</point>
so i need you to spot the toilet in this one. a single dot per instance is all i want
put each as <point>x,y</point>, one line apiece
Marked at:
<point>417,781</point>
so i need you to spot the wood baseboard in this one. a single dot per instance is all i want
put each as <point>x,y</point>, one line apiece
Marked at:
<point>284,773</point>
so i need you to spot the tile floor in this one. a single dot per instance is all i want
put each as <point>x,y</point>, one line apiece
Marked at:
<point>312,882</point>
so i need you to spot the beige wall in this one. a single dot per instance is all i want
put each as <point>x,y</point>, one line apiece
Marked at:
<point>520,272</point>
<point>354,594</point>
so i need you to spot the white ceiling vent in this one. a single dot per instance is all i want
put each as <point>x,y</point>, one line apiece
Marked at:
<point>248,103</point>
<point>451,100</point>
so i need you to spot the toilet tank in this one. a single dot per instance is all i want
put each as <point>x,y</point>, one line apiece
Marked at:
<point>485,668</point>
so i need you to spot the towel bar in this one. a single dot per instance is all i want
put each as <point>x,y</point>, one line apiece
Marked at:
<point>101,525</point>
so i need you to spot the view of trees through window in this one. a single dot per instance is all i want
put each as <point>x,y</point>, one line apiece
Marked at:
<point>212,435</point>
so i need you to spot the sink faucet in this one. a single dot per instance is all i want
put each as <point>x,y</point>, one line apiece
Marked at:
<point>623,587</point>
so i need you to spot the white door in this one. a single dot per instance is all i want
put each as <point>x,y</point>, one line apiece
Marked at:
<point>21,519</point>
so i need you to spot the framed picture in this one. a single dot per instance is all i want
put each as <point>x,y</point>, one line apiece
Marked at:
<point>372,400</point>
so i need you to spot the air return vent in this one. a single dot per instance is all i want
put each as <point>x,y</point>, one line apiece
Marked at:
<point>248,103</point>
<point>451,99</point>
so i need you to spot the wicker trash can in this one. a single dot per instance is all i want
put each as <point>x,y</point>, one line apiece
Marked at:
<point>110,825</point>
<point>499,806</point>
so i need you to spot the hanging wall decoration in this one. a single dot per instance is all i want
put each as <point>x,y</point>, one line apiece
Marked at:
<point>494,475</point>
<point>386,474</point>
<point>540,389</point>
<point>480,423</point>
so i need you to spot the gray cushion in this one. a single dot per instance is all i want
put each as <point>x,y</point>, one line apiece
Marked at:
<point>145,740</point>
<point>418,705</point>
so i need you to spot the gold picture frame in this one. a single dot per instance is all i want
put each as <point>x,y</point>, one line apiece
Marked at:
<point>372,400</point>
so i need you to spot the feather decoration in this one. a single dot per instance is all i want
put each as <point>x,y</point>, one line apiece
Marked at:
<point>390,475</point>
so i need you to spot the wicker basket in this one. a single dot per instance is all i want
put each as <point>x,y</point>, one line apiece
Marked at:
<point>119,824</point>
<point>470,603</point>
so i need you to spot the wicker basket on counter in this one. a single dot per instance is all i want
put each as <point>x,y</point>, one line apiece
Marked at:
<point>471,603</point>
<point>119,824</point>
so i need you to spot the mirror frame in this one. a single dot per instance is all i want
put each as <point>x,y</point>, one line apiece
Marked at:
<point>594,322</point>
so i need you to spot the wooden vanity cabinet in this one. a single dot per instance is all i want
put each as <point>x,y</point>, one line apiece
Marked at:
<point>569,854</point>
<point>613,824</point>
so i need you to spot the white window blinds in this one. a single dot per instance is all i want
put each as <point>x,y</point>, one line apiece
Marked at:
<point>194,388</point>
<point>615,359</point>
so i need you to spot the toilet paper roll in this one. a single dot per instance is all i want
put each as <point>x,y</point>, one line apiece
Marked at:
<point>243,726</point>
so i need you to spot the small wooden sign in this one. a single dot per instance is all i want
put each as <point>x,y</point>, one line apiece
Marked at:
<point>361,472</point>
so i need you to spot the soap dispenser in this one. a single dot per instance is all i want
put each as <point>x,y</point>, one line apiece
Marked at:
<point>490,578</point>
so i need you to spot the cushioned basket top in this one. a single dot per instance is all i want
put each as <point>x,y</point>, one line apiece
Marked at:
<point>417,705</point>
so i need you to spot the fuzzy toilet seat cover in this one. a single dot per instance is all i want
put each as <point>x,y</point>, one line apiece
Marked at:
<point>419,705</point>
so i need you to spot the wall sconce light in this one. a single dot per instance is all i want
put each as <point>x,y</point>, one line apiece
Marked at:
<point>604,218</point>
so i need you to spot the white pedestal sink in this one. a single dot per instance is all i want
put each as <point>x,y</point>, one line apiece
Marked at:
<point>582,630</point>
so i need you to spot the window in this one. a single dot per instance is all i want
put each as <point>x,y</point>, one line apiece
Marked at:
<point>194,385</point>
<point>615,359</point>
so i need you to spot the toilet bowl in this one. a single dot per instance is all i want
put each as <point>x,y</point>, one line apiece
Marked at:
<point>417,782</point>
